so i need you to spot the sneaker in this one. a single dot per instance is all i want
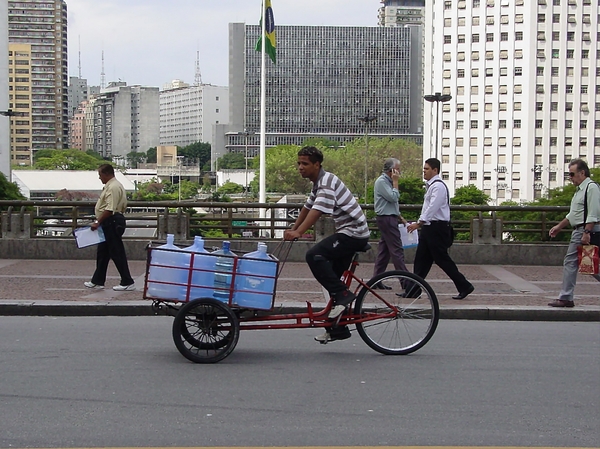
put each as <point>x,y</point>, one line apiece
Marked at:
<point>335,333</point>
<point>341,301</point>
<point>336,311</point>
<point>92,285</point>
<point>124,288</point>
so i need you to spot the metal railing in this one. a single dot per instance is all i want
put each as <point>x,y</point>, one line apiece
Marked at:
<point>58,219</point>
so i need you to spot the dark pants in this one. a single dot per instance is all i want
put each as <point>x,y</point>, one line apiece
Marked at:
<point>434,241</point>
<point>112,248</point>
<point>390,245</point>
<point>329,258</point>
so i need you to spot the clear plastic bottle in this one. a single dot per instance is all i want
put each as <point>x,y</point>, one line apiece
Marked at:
<point>169,280</point>
<point>223,268</point>
<point>203,273</point>
<point>255,279</point>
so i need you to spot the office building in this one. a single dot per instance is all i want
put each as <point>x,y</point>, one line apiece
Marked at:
<point>125,119</point>
<point>524,81</point>
<point>327,78</point>
<point>77,92</point>
<point>37,36</point>
<point>77,128</point>
<point>188,113</point>
<point>401,13</point>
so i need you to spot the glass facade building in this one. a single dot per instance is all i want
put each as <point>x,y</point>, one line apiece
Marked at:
<point>325,80</point>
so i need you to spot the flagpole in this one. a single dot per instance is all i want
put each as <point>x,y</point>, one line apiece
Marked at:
<point>263,116</point>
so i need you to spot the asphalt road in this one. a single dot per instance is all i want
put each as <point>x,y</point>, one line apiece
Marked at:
<point>119,381</point>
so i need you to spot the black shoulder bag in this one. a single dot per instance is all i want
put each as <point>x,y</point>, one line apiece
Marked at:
<point>594,236</point>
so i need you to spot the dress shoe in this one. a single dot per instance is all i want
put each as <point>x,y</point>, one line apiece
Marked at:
<point>381,286</point>
<point>463,295</point>
<point>561,303</point>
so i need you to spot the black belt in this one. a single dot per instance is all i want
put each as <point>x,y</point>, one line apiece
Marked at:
<point>438,221</point>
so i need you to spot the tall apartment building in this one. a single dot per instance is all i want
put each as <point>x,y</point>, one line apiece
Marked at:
<point>126,119</point>
<point>188,113</point>
<point>4,120</point>
<point>77,128</point>
<point>326,79</point>
<point>37,36</point>
<point>524,81</point>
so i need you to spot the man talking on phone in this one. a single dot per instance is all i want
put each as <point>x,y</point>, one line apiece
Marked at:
<point>388,215</point>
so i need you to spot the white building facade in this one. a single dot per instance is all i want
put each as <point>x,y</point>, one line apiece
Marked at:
<point>4,121</point>
<point>524,81</point>
<point>188,113</point>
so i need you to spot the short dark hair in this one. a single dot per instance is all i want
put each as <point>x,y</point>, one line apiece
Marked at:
<point>106,169</point>
<point>434,163</point>
<point>581,165</point>
<point>313,153</point>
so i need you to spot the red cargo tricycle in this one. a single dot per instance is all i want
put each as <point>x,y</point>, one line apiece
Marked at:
<point>395,313</point>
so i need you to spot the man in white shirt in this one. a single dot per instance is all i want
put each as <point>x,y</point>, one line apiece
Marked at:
<point>436,234</point>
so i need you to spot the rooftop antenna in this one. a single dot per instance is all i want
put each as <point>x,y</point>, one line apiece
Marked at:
<point>198,75</point>
<point>79,38</point>
<point>102,75</point>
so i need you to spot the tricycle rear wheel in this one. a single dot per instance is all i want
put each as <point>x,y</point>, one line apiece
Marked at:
<point>205,330</point>
<point>409,321</point>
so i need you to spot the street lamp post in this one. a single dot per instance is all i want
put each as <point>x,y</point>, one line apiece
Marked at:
<point>179,163</point>
<point>367,119</point>
<point>246,133</point>
<point>437,98</point>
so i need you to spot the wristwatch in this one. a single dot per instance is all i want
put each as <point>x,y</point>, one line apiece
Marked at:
<point>587,231</point>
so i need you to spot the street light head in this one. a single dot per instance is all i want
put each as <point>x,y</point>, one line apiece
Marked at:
<point>8,113</point>
<point>430,98</point>
<point>445,98</point>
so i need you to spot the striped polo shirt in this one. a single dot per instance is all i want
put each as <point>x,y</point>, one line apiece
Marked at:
<point>330,196</point>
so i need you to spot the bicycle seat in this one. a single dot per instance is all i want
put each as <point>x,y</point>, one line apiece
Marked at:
<point>366,248</point>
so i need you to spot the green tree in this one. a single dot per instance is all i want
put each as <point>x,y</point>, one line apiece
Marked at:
<point>198,153</point>
<point>95,154</point>
<point>321,142</point>
<point>412,191</point>
<point>230,188</point>
<point>9,190</point>
<point>281,173</point>
<point>151,155</point>
<point>67,160</point>
<point>232,161</point>
<point>135,158</point>
<point>465,196</point>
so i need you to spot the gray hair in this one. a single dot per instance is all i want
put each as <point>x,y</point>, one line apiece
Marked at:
<point>389,164</point>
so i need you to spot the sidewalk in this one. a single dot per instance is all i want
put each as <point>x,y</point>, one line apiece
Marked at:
<point>55,287</point>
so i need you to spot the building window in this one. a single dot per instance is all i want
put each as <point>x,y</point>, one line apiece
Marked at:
<point>504,36</point>
<point>473,175</point>
<point>461,38</point>
<point>460,73</point>
<point>447,39</point>
<point>489,37</point>
<point>554,71</point>
<point>555,18</point>
<point>517,123</point>
<point>502,124</point>
<point>518,35</point>
<point>539,124</point>
<point>475,38</point>
<point>518,71</point>
<point>474,124</point>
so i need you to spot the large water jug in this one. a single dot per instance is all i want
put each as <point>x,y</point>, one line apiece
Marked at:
<point>223,270</point>
<point>203,273</point>
<point>169,280</point>
<point>255,279</point>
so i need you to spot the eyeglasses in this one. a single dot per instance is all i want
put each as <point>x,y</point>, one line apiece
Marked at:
<point>571,174</point>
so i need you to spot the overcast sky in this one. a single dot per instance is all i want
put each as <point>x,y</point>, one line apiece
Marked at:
<point>151,42</point>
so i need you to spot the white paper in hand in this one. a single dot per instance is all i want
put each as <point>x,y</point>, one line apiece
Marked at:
<point>409,239</point>
<point>86,237</point>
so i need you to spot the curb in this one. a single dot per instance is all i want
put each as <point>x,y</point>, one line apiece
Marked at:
<point>144,308</point>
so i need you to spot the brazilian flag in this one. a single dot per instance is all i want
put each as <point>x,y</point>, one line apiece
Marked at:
<point>269,32</point>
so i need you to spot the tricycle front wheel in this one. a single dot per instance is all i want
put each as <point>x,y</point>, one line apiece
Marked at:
<point>205,330</point>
